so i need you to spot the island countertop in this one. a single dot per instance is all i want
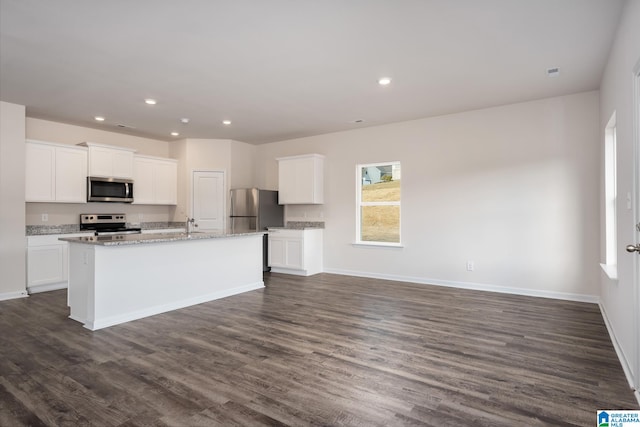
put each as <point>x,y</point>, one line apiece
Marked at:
<point>135,239</point>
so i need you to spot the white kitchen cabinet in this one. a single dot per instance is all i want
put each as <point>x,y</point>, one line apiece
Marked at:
<point>166,182</point>
<point>55,173</point>
<point>296,252</point>
<point>47,262</point>
<point>40,165</point>
<point>301,179</point>
<point>143,181</point>
<point>155,181</point>
<point>71,175</point>
<point>110,162</point>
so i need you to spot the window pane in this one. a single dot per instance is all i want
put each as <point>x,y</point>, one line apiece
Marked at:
<point>380,224</point>
<point>381,183</point>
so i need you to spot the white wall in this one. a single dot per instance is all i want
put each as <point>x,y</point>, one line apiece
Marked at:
<point>513,188</point>
<point>242,165</point>
<point>63,133</point>
<point>12,219</point>
<point>198,155</point>
<point>617,297</point>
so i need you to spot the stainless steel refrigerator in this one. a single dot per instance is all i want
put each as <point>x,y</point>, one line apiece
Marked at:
<point>253,210</point>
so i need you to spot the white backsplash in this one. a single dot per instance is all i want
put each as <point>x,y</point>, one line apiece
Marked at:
<point>304,213</point>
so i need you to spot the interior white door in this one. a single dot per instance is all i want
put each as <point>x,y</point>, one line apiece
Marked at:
<point>208,202</point>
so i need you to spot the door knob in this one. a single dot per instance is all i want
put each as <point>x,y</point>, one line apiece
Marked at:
<point>633,248</point>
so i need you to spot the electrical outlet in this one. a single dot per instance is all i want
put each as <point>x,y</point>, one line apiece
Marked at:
<point>470,266</point>
<point>45,217</point>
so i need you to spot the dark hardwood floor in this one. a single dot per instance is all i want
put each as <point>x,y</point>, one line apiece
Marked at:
<point>325,350</point>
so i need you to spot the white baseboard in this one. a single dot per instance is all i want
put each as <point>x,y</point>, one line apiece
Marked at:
<point>290,271</point>
<point>139,314</point>
<point>13,295</point>
<point>593,299</point>
<point>46,288</point>
<point>624,361</point>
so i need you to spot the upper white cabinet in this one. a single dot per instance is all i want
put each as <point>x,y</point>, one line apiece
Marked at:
<point>71,175</point>
<point>40,181</point>
<point>55,173</point>
<point>110,162</point>
<point>155,181</point>
<point>301,179</point>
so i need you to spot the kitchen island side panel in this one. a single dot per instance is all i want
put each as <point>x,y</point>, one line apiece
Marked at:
<point>134,281</point>
<point>81,282</point>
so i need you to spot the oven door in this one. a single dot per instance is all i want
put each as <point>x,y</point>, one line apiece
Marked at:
<point>109,190</point>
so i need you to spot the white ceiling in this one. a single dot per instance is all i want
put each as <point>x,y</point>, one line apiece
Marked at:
<point>282,69</point>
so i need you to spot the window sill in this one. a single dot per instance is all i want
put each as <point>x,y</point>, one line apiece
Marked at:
<point>611,270</point>
<point>378,245</point>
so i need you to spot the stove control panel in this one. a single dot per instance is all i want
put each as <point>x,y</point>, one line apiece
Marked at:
<point>102,218</point>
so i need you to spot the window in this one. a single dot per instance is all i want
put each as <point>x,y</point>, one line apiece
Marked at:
<point>611,197</point>
<point>378,204</point>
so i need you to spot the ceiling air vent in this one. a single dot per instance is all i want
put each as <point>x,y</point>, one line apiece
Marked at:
<point>120,125</point>
<point>553,72</point>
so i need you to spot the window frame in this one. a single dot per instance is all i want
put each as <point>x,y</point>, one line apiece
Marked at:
<point>360,204</point>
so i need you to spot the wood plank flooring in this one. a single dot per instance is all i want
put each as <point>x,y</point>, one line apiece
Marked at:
<point>325,350</point>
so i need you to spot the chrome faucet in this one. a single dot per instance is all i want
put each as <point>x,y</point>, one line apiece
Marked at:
<point>188,224</point>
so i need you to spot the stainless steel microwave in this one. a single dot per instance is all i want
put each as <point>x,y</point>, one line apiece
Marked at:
<point>109,190</point>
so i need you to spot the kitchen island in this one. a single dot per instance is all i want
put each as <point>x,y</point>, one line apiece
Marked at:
<point>116,279</point>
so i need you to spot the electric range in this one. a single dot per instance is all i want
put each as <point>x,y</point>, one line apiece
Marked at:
<point>107,224</point>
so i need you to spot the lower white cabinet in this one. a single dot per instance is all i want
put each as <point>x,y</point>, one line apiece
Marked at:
<point>47,262</point>
<point>295,251</point>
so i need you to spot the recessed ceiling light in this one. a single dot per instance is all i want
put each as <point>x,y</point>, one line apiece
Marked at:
<point>226,122</point>
<point>384,81</point>
<point>150,101</point>
<point>99,118</point>
<point>184,120</point>
<point>175,134</point>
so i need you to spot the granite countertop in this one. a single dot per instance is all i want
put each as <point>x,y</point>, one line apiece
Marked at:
<point>45,230</point>
<point>158,225</point>
<point>135,239</point>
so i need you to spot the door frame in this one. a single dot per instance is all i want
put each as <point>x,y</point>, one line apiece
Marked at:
<point>225,214</point>
<point>636,215</point>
